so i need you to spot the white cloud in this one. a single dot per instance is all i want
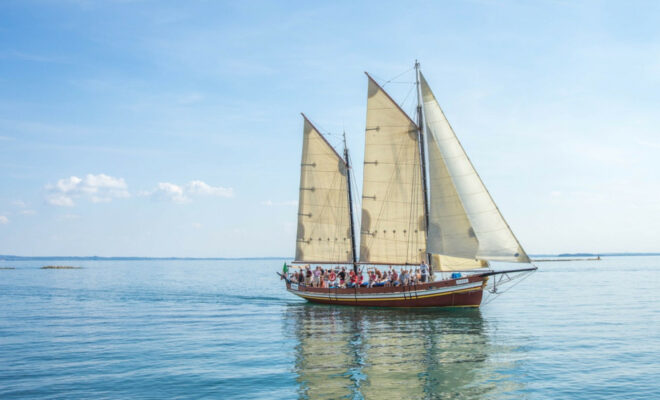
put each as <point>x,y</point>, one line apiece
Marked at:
<point>182,194</point>
<point>196,225</point>
<point>58,199</point>
<point>3,220</point>
<point>99,188</point>
<point>27,212</point>
<point>199,187</point>
<point>270,203</point>
<point>19,203</point>
<point>169,191</point>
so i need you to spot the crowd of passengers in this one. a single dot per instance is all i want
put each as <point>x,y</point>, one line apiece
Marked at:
<point>338,277</point>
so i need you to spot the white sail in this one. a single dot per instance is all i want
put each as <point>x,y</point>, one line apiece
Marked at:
<point>479,218</point>
<point>323,215</point>
<point>393,223</point>
<point>450,231</point>
<point>448,263</point>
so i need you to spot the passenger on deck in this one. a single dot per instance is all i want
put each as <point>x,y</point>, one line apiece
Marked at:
<point>394,278</point>
<point>372,278</point>
<point>379,280</point>
<point>317,277</point>
<point>352,279</point>
<point>308,276</point>
<point>360,280</point>
<point>404,277</point>
<point>342,276</point>
<point>324,279</point>
<point>425,271</point>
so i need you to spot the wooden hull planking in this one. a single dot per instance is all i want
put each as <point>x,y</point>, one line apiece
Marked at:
<point>462,292</point>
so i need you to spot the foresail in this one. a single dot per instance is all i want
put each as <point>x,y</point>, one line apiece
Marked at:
<point>450,231</point>
<point>448,263</point>
<point>323,214</point>
<point>453,177</point>
<point>393,226</point>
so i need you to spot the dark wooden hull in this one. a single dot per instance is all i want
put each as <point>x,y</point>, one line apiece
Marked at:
<point>462,292</point>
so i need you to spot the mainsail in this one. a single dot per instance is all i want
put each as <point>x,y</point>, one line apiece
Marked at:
<point>323,209</point>
<point>464,221</point>
<point>393,224</point>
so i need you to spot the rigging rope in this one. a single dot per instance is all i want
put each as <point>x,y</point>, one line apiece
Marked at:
<point>390,80</point>
<point>519,277</point>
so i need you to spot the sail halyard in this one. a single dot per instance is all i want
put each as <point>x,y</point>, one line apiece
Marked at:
<point>393,226</point>
<point>324,223</point>
<point>464,220</point>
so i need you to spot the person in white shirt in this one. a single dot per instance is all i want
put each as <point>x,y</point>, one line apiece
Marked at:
<point>425,271</point>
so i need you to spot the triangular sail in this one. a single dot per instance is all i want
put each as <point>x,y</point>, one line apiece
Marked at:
<point>455,227</point>
<point>448,263</point>
<point>323,213</point>
<point>393,226</point>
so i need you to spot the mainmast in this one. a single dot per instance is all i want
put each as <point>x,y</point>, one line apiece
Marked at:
<point>420,135</point>
<point>350,204</point>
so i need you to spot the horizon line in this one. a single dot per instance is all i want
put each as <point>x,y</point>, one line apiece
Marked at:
<point>8,257</point>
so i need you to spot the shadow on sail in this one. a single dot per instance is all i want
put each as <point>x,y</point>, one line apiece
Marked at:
<point>348,352</point>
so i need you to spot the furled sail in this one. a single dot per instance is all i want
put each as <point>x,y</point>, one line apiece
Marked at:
<point>323,213</point>
<point>463,218</point>
<point>393,223</point>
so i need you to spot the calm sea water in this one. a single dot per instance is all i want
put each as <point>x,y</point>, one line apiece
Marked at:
<point>228,329</point>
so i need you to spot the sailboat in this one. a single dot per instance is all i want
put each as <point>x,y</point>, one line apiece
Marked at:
<point>422,201</point>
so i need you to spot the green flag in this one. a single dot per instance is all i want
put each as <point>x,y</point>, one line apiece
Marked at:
<point>285,268</point>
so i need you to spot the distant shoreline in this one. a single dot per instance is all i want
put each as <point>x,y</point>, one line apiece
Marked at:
<point>97,258</point>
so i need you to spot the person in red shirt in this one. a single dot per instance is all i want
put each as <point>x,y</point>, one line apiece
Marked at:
<point>372,278</point>
<point>353,279</point>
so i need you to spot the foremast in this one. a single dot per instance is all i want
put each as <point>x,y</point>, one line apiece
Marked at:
<point>422,154</point>
<point>350,204</point>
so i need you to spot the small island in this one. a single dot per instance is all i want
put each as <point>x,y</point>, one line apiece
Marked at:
<point>59,267</point>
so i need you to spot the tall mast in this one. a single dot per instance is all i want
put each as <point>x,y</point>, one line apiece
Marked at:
<point>350,203</point>
<point>422,152</point>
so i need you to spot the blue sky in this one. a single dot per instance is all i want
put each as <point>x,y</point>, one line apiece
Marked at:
<point>160,128</point>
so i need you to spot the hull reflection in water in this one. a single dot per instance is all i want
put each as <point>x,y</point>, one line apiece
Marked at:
<point>400,354</point>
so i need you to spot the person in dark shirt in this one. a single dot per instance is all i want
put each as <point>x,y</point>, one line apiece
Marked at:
<point>342,274</point>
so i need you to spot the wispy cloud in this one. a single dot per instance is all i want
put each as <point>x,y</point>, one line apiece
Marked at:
<point>270,203</point>
<point>648,144</point>
<point>99,188</point>
<point>182,194</point>
<point>68,217</point>
<point>3,220</point>
<point>201,188</point>
<point>168,191</point>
